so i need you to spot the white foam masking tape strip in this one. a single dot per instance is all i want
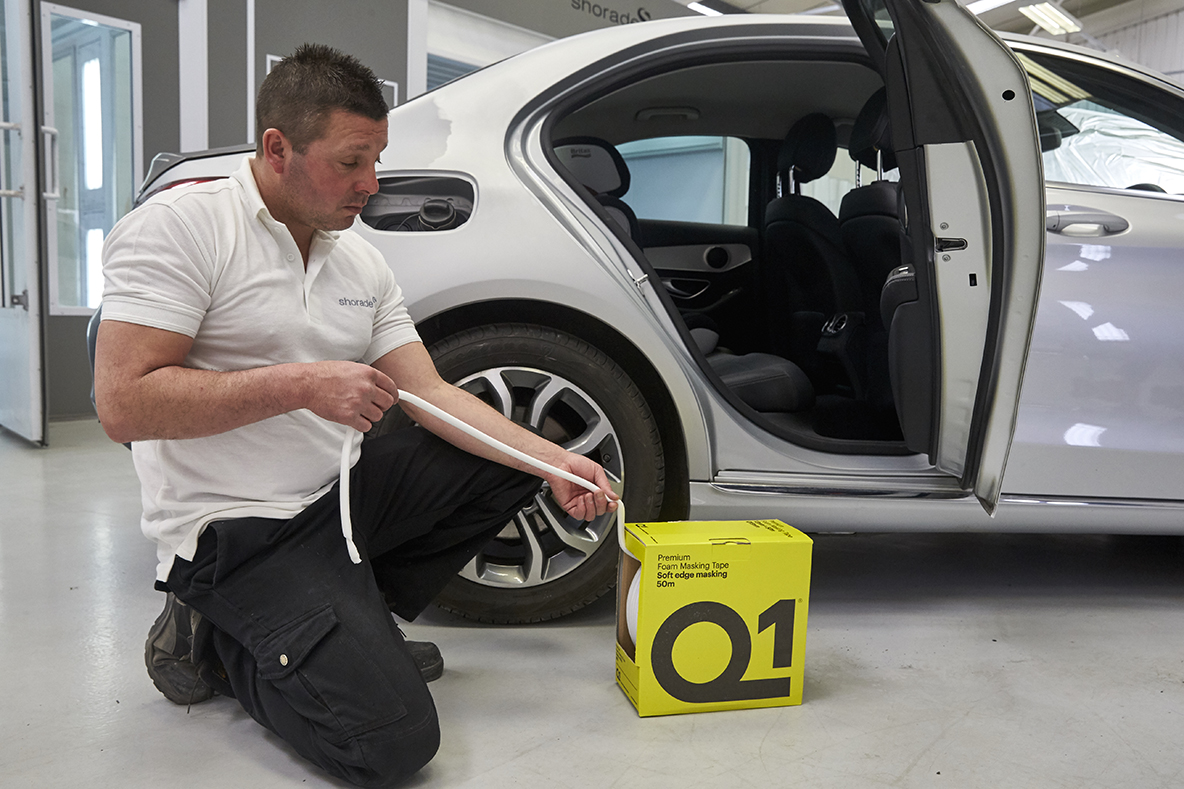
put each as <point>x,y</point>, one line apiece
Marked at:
<point>347,527</point>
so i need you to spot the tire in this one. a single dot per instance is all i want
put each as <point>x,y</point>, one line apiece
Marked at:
<point>543,564</point>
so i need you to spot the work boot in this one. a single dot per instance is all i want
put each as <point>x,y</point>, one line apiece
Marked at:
<point>169,654</point>
<point>427,658</point>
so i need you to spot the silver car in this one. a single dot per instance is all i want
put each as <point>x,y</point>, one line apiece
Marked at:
<point>654,244</point>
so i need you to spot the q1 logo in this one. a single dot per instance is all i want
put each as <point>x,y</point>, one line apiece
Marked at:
<point>729,685</point>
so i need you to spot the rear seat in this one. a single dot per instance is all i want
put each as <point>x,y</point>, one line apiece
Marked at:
<point>766,383</point>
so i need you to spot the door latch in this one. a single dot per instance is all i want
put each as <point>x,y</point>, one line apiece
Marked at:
<point>20,300</point>
<point>950,244</point>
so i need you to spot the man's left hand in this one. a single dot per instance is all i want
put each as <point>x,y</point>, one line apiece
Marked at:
<point>580,502</point>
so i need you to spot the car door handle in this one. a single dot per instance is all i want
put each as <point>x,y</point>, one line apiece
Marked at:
<point>686,288</point>
<point>1076,221</point>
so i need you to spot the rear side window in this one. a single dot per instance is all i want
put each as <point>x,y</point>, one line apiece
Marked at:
<point>831,188</point>
<point>688,179</point>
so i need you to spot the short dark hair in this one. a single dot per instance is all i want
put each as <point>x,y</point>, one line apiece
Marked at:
<point>302,90</point>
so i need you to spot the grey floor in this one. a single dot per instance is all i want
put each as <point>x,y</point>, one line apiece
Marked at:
<point>955,661</point>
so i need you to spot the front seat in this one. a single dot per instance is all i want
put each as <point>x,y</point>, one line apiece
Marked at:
<point>602,170</point>
<point>805,274</point>
<point>869,215</point>
<point>869,220</point>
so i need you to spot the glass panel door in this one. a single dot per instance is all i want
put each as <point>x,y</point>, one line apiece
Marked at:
<point>91,65</point>
<point>22,394</point>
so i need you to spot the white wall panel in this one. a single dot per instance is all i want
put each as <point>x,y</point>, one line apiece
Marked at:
<point>461,35</point>
<point>1156,42</point>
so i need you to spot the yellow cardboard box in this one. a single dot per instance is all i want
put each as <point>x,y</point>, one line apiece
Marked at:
<point>720,615</point>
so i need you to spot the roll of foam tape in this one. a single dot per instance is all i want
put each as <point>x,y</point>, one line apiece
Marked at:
<point>631,606</point>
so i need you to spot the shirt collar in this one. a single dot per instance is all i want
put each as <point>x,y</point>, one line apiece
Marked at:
<point>254,201</point>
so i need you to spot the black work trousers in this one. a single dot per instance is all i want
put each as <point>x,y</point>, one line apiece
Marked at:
<point>306,636</point>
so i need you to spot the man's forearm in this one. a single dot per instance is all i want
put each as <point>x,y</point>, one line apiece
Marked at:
<point>144,390</point>
<point>178,402</point>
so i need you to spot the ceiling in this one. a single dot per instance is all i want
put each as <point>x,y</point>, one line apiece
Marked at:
<point>1006,17</point>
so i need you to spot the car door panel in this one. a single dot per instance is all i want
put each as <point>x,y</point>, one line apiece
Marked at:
<point>1102,408</point>
<point>951,81</point>
<point>706,268</point>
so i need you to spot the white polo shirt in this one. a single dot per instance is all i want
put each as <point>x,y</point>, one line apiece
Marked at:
<point>209,261</point>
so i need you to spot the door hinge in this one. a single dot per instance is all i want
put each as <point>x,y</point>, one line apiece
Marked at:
<point>20,300</point>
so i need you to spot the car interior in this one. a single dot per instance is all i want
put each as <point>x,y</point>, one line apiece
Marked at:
<point>783,312</point>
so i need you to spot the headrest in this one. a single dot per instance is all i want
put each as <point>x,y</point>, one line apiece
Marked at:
<point>872,133</point>
<point>595,164</point>
<point>809,148</point>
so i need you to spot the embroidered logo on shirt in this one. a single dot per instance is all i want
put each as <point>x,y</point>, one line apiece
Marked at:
<point>368,303</point>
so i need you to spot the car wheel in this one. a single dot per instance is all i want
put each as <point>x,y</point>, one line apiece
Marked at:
<point>544,564</point>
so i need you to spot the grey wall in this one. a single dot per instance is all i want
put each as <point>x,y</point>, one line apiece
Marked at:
<point>227,57</point>
<point>374,31</point>
<point>66,366</point>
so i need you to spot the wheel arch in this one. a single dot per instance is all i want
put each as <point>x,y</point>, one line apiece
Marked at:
<point>676,502</point>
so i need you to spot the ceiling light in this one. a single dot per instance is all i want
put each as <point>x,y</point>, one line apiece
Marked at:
<point>979,6</point>
<point>704,10</point>
<point>1051,18</point>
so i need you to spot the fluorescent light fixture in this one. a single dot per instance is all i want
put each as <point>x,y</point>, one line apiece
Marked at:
<point>92,123</point>
<point>1051,18</point>
<point>704,10</point>
<point>979,6</point>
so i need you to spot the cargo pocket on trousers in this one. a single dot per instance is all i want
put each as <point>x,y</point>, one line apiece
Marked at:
<point>327,677</point>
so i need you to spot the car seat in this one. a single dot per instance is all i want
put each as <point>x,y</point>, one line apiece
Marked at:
<point>869,220</point>
<point>805,275</point>
<point>602,170</point>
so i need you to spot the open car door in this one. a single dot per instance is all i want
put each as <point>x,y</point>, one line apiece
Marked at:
<point>964,132</point>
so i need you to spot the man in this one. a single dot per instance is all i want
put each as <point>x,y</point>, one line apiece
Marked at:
<point>243,325</point>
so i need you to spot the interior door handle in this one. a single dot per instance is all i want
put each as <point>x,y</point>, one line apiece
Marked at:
<point>6,127</point>
<point>53,174</point>
<point>685,288</point>
<point>1077,221</point>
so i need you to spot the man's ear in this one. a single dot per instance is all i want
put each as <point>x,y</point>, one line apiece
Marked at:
<point>277,150</point>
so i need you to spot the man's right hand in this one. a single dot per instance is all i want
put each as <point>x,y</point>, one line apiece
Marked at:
<point>348,393</point>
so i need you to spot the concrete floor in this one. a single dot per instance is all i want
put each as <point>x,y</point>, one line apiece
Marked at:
<point>954,660</point>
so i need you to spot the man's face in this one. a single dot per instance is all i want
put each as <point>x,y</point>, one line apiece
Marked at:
<point>327,186</point>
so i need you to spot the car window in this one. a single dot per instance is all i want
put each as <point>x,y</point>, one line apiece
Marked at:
<point>1099,128</point>
<point>688,179</point>
<point>831,188</point>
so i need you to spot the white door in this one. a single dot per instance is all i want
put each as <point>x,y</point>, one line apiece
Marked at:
<point>91,87</point>
<point>22,387</point>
